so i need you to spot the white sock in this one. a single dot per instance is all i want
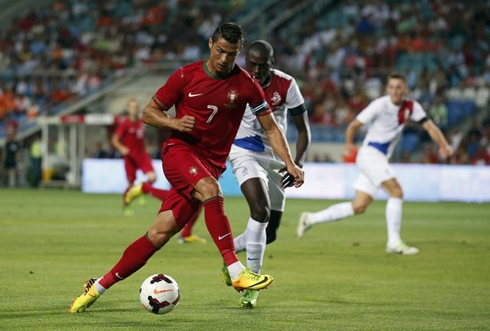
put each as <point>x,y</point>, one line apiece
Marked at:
<point>234,269</point>
<point>101,289</point>
<point>333,213</point>
<point>394,219</point>
<point>255,246</point>
<point>240,243</point>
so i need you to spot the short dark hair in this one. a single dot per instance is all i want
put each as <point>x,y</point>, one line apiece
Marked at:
<point>231,32</point>
<point>262,47</point>
<point>397,75</point>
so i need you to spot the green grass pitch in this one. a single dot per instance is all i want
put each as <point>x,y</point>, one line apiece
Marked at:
<point>337,277</point>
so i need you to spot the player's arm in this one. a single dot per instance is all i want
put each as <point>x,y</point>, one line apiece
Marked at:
<point>155,115</point>
<point>300,120</point>
<point>280,146</point>
<point>350,134</point>
<point>435,133</point>
<point>116,142</point>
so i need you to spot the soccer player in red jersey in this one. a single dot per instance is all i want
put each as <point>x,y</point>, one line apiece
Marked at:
<point>129,140</point>
<point>210,98</point>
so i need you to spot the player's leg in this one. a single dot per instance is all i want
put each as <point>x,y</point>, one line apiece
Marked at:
<point>273,226</point>
<point>144,163</point>
<point>188,173</point>
<point>255,192</point>
<point>394,207</point>
<point>186,235</point>
<point>250,171</point>
<point>277,199</point>
<point>365,191</point>
<point>134,257</point>
<point>335,212</point>
<point>130,168</point>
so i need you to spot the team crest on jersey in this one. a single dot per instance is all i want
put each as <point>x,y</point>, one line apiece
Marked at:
<point>276,99</point>
<point>232,98</point>
<point>193,171</point>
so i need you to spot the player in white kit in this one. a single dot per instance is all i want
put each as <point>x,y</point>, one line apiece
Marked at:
<point>386,118</point>
<point>258,170</point>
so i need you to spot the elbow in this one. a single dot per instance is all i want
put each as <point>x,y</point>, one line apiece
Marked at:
<point>145,116</point>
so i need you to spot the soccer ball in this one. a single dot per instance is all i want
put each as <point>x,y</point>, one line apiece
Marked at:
<point>159,294</point>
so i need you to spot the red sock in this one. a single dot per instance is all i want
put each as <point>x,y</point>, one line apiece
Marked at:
<point>219,229</point>
<point>187,230</point>
<point>156,192</point>
<point>134,257</point>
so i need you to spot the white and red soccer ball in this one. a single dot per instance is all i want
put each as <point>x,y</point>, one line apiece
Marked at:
<point>159,294</point>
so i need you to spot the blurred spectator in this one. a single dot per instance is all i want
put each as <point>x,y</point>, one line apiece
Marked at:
<point>100,152</point>
<point>10,158</point>
<point>438,112</point>
<point>481,156</point>
<point>35,153</point>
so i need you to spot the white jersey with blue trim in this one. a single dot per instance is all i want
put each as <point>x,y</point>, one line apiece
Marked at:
<point>385,122</point>
<point>282,93</point>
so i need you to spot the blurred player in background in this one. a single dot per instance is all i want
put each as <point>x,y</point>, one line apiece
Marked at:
<point>258,170</point>
<point>386,118</point>
<point>129,140</point>
<point>210,98</point>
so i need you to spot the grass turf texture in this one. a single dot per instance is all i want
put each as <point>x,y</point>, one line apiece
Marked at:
<point>337,277</point>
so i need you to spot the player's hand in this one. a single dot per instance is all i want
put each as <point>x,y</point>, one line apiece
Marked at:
<point>349,149</point>
<point>124,151</point>
<point>186,123</point>
<point>446,151</point>
<point>294,176</point>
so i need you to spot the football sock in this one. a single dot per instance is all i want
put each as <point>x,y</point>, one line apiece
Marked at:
<point>255,246</point>
<point>219,228</point>
<point>147,188</point>
<point>234,269</point>
<point>133,258</point>
<point>333,213</point>
<point>394,219</point>
<point>187,230</point>
<point>240,242</point>
<point>100,289</point>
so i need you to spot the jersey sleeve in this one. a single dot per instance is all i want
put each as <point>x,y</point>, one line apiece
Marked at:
<point>258,104</point>
<point>171,91</point>
<point>369,113</point>
<point>121,128</point>
<point>418,112</point>
<point>294,98</point>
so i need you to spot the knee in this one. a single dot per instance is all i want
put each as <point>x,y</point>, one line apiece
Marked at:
<point>260,212</point>
<point>159,237</point>
<point>360,208</point>
<point>398,193</point>
<point>208,188</point>
<point>151,177</point>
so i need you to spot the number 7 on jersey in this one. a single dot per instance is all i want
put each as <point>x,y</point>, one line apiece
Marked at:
<point>215,110</point>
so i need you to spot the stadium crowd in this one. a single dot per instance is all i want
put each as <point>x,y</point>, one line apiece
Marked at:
<point>56,54</point>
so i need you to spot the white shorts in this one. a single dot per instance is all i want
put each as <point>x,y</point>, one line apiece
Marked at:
<point>374,168</point>
<point>248,164</point>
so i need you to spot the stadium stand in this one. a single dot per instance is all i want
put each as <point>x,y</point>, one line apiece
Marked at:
<point>54,54</point>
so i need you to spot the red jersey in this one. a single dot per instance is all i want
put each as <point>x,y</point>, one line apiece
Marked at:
<point>132,135</point>
<point>217,104</point>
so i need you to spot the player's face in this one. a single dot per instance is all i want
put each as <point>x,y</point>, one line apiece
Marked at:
<point>132,108</point>
<point>222,56</point>
<point>259,66</point>
<point>397,89</point>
